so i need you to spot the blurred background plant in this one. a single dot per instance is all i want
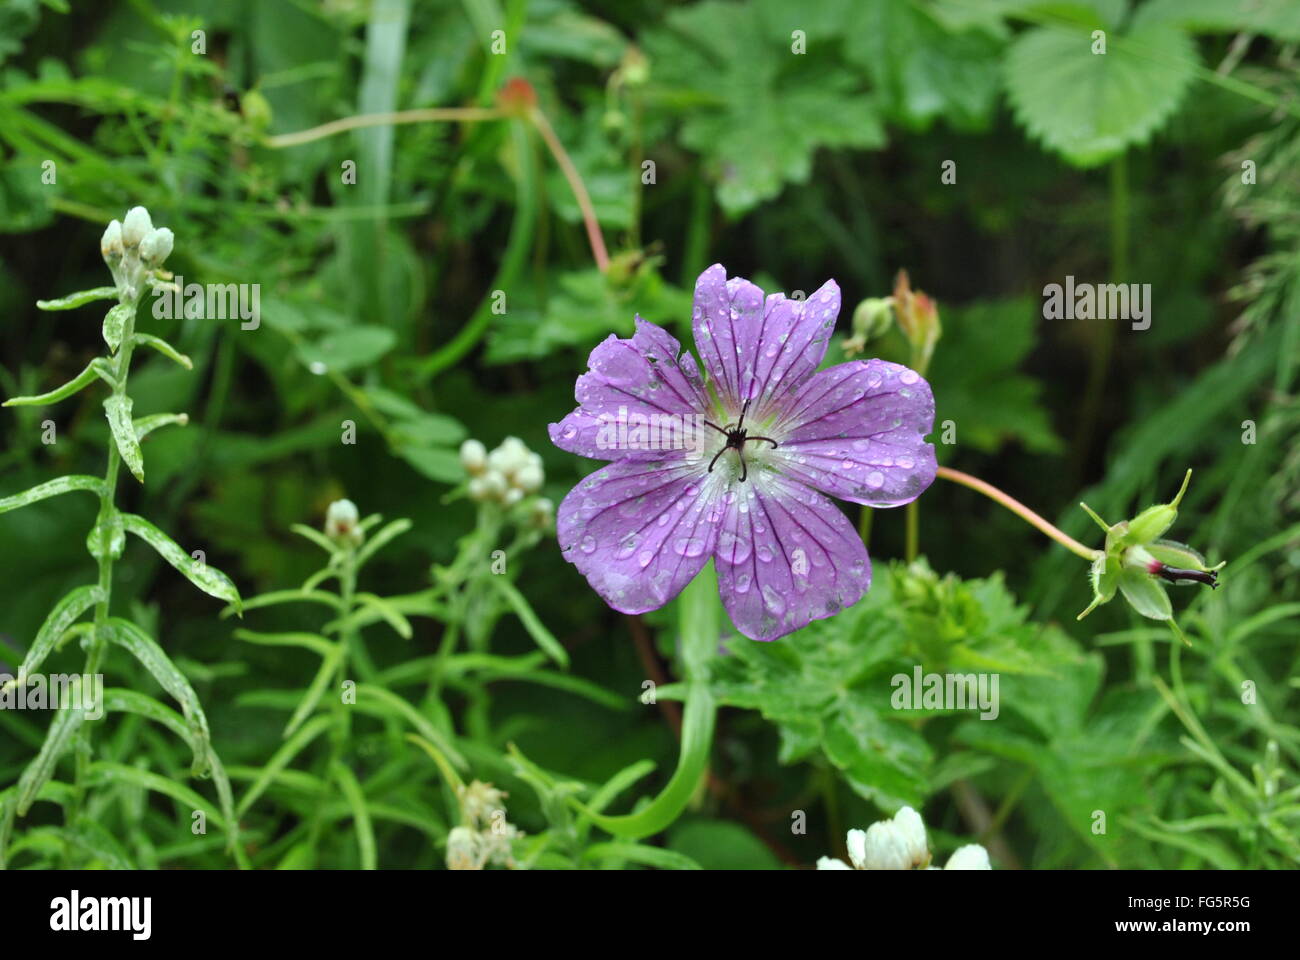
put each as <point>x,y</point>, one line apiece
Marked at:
<point>438,277</point>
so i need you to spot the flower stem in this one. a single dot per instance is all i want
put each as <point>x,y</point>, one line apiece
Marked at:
<point>579,189</point>
<point>1020,510</point>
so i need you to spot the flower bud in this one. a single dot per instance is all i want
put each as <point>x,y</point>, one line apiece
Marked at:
<point>530,476</point>
<point>110,245</point>
<point>886,848</point>
<point>473,457</point>
<point>136,226</point>
<point>341,523</point>
<point>463,849</point>
<point>156,246</point>
<point>911,830</point>
<point>970,857</point>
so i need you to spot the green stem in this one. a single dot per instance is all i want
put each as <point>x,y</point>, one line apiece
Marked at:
<point>700,621</point>
<point>121,367</point>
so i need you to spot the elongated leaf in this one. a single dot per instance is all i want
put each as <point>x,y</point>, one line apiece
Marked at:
<point>63,616</point>
<point>105,772</point>
<point>347,782</point>
<point>67,721</point>
<point>281,758</point>
<point>208,579</point>
<point>276,597</point>
<point>377,701</point>
<point>118,410</point>
<point>90,837</point>
<point>316,537</point>
<point>532,623</point>
<point>96,368</point>
<point>308,641</point>
<point>147,425</point>
<point>391,614</point>
<point>115,323</point>
<point>639,853</point>
<point>163,347</point>
<point>80,298</point>
<point>316,690</point>
<point>122,700</point>
<point>394,529</point>
<point>51,488</point>
<point>145,649</point>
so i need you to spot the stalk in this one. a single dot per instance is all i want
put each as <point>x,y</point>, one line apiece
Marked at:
<point>107,512</point>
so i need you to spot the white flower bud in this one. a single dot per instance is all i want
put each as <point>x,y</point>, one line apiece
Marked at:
<point>463,849</point>
<point>494,484</point>
<point>885,848</point>
<point>341,521</point>
<point>509,457</point>
<point>136,226</point>
<point>156,246</point>
<point>970,857</point>
<point>110,245</point>
<point>473,457</point>
<point>529,477</point>
<point>857,845</point>
<point>830,863</point>
<point>477,489</point>
<point>543,512</point>
<point>912,832</point>
<point>512,496</point>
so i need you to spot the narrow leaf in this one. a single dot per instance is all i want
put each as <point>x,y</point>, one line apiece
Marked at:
<point>51,488</point>
<point>80,298</point>
<point>145,649</point>
<point>115,322</point>
<point>316,690</point>
<point>63,728</point>
<point>147,425</point>
<point>96,368</point>
<point>207,578</point>
<point>392,530</point>
<point>532,623</point>
<point>165,348</point>
<point>63,616</point>
<point>347,782</point>
<point>118,410</point>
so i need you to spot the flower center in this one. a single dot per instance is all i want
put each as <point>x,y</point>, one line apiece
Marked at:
<point>736,437</point>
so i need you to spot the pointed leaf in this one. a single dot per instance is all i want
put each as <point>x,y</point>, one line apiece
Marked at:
<point>207,578</point>
<point>147,425</point>
<point>63,616</point>
<point>67,721</point>
<point>145,649</point>
<point>115,324</point>
<point>96,368</point>
<point>118,410</point>
<point>80,298</point>
<point>165,348</point>
<point>51,488</point>
<point>389,532</point>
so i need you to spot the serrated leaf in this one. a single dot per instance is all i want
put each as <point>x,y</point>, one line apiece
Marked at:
<point>1092,107</point>
<point>63,728</point>
<point>756,113</point>
<point>80,298</point>
<point>146,650</point>
<point>64,615</point>
<point>118,410</point>
<point>207,578</point>
<point>51,488</point>
<point>165,348</point>
<point>115,324</point>
<point>96,368</point>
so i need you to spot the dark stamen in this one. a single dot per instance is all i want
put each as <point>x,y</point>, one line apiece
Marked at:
<point>1174,574</point>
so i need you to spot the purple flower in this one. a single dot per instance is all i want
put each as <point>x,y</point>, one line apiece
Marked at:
<point>730,467</point>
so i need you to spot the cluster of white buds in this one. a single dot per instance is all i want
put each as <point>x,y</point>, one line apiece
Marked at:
<point>485,837</point>
<point>506,475</point>
<point>900,844</point>
<point>133,248</point>
<point>343,523</point>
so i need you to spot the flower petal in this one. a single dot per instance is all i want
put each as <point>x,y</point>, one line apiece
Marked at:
<point>640,530</point>
<point>857,431</point>
<point>645,379</point>
<point>785,556</point>
<point>759,350</point>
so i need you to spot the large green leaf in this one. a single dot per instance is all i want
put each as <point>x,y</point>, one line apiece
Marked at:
<point>752,107</point>
<point>1090,107</point>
